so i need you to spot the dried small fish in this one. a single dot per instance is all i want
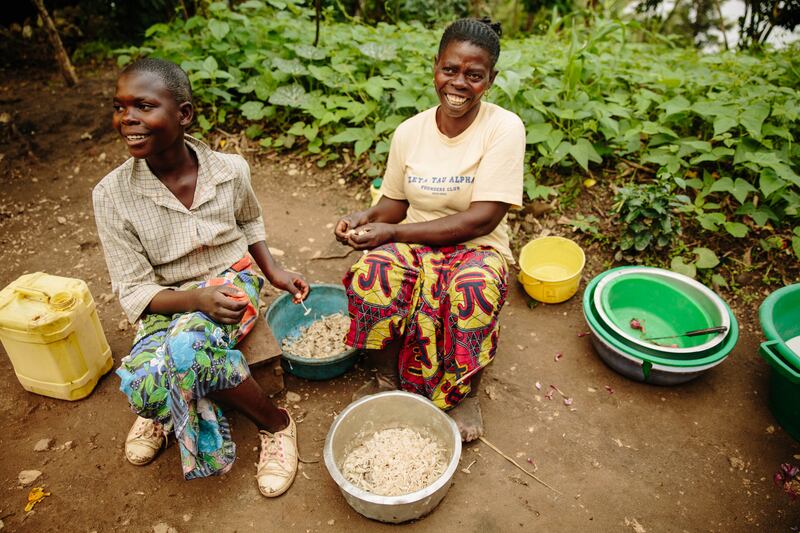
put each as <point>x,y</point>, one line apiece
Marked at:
<point>395,461</point>
<point>323,338</point>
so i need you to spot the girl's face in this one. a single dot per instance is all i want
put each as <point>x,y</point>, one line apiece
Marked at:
<point>461,74</point>
<point>147,116</point>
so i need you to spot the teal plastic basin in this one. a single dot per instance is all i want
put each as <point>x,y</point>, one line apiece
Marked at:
<point>779,315</point>
<point>285,318</point>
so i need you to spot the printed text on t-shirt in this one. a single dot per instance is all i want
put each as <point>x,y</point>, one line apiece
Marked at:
<point>440,185</point>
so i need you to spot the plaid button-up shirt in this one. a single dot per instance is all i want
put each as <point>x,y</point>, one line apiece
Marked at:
<point>151,241</point>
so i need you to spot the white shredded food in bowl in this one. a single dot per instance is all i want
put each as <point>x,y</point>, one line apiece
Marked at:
<point>396,461</point>
<point>322,338</point>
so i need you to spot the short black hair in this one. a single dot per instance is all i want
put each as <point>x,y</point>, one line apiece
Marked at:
<point>172,75</point>
<point>480,32</point>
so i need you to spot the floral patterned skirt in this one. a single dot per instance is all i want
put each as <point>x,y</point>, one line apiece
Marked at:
<point>443,303</point>
<point>176,361</point>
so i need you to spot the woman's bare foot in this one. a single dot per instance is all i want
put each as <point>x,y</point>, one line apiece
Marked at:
<point>379,383</point>
<point>468,418</point>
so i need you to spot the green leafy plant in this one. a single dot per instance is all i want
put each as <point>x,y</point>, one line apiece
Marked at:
<point>645,211</point>
<point>717,131</point>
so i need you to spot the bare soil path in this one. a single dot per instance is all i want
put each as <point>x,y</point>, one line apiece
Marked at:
<point>625,456</point>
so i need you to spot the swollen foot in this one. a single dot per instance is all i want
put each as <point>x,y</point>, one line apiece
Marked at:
<point>380,383</point>
<point>468,418</point>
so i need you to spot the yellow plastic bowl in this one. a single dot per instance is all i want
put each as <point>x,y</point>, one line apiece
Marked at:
<point>550,269</point>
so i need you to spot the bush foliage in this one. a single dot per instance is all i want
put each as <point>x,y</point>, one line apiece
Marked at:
<point>717,130</point>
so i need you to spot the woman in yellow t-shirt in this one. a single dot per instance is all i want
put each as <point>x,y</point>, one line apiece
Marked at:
<point>426,298</point>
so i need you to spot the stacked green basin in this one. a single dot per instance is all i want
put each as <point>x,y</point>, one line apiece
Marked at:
<point>780,322</point>
<point>656,365</point>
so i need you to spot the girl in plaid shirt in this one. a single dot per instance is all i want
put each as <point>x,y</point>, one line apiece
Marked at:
<point>180,228</point>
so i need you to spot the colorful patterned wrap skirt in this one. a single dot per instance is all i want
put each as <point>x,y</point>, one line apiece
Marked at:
<point>442,302</point>
<point>176,361</point>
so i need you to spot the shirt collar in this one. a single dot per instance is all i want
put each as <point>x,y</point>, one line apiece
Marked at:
<point>211,171</point>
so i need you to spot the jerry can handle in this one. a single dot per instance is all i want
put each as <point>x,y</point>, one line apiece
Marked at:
<point>33,294</point>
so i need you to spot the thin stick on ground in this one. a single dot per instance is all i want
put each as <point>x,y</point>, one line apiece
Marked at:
<point>512,461</point>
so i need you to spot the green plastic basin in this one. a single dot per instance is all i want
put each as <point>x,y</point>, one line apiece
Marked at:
<point>665,359</point>
<point>285,319</point>
<point>779,315</point>
<point>666,304</point>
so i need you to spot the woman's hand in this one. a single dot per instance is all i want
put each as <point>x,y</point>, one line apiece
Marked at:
<point>347,223</point>
<point>223,303</point>
<point>291,282</point>
<point>371,235</point>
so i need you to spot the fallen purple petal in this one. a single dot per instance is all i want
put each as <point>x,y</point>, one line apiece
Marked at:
<point>567,401</point>
<point>609,389</point>
<point>538,386</point>
<point>558,356</point>
<point>583,333</point>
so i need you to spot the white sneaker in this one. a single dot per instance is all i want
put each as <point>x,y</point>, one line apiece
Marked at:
<point>277,464</point>
<point>144,440</point>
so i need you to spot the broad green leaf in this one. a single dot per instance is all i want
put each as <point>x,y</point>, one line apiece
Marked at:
<point>722,184</point>
<point>678,104</point>
<point>347,136</point>
<point>769,182</point>
<point>583,152</point>
<point>509,83</point>
<point>219,29</point>
<point>307,51</point>
<point>711,221</point>
<point>753,117</point>
<point>680,266</point>
<point>381,52</point>
<point>723,124</point>
<point>538,133</point>
<point>210,64</point>
<point>252,110</point>
<point>361,146</point>
<point>290,66</point>
<point>737,229</point>
<point>374,87</point>
<point>289,96</point>
<point>719,281</point>
<point>705,258</point>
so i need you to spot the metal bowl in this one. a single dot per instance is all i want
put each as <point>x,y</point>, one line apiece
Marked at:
<point>686,305</point>
<point>384,411</point>
<point>285,319</point>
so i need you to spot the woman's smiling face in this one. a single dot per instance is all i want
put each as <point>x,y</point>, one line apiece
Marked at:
<point>462,73</point>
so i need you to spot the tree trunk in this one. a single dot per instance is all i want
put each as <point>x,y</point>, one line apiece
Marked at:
<point>318,10</point>
<point>721,24</point>
<point>61,55</point>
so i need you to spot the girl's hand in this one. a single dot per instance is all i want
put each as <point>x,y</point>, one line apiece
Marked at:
<point>371,235</point>
<point>225,304</point>
<point>292,283</point>
<point>348,223</point>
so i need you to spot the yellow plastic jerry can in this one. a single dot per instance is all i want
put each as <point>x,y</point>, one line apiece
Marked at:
<point>50,330</point>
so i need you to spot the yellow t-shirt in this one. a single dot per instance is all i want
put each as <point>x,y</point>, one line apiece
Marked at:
<point>441,176</point>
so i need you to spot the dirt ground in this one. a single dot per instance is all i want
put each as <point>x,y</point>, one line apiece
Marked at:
<point>624,456</point>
